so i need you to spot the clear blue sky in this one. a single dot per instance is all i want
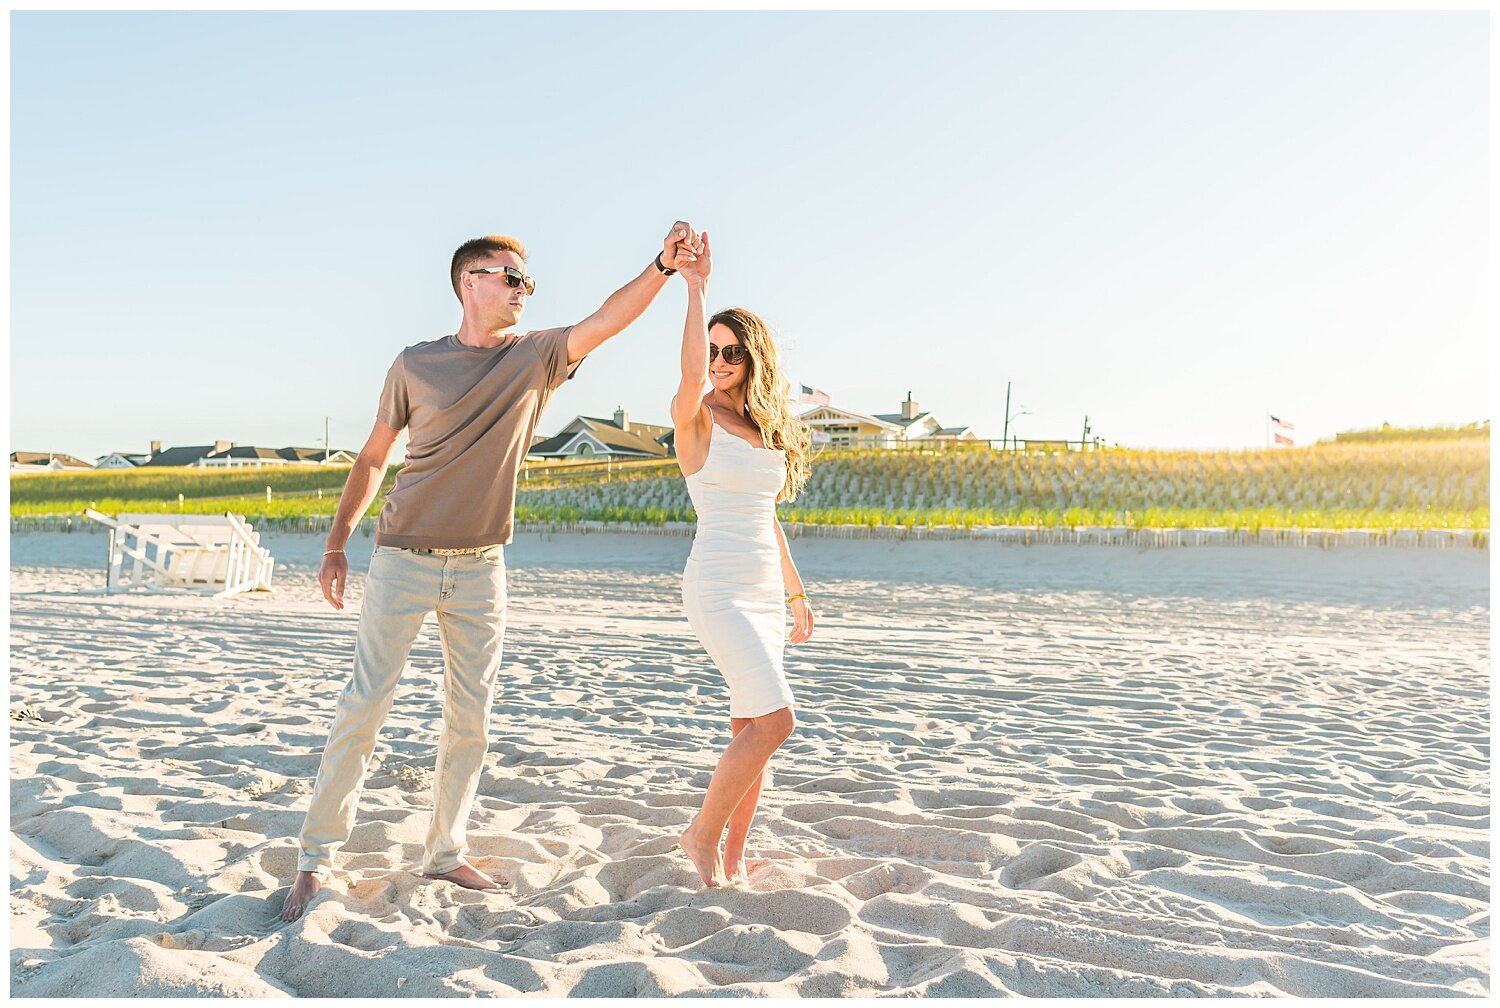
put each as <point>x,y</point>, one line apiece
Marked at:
<point>226,225</point>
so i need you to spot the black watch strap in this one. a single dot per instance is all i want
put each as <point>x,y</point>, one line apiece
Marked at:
<point>664,270</point>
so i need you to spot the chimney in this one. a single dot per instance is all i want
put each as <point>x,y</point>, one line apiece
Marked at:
<point>155,447</point>
<point>909,409</point>
<point>622,419</point>
<point>220,446</point>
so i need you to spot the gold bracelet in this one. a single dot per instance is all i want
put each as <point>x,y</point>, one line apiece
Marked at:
<point>792,598</point>
<point>328,552</point>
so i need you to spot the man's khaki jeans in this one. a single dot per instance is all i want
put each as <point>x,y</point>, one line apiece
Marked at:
<point>468,593</point>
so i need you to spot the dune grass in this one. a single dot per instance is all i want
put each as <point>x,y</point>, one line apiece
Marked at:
<point>1423,483</point>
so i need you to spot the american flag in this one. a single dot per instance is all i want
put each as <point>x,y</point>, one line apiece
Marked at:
<point>812,395</point>
<point>1281,431</point>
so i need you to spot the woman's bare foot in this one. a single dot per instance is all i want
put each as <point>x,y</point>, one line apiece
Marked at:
<point>737,874</point>
<point>304,888</point>
<point>704,854</point>
<point>734,859</point>
<point>469,877</point>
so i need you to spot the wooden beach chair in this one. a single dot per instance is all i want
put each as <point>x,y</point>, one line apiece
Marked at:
<point>215,554</point>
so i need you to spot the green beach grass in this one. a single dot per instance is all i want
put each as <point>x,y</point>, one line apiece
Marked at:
<point>1418,483</point>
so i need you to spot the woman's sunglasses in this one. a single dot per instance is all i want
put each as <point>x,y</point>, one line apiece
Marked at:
<point>513,277</point>
<point>734,353</point>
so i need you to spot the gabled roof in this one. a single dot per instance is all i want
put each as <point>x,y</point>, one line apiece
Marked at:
<point>312,454</point>
<point>551,445</point>
<point>629,440</point>
<point>650,430</point>
<point>247,451</point>
<point>180,456</point>
<point>42,458</point>
<point>877,421</point>
<point>951,431</point>
<point>641,438</point>
<point>899,420</point>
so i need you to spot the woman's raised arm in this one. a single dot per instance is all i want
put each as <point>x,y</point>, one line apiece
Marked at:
<point>688,401</point>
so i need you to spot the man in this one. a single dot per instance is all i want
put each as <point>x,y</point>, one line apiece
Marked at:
<point>471,401</point>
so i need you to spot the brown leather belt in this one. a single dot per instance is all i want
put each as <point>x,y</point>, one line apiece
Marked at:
<point>443,551</point>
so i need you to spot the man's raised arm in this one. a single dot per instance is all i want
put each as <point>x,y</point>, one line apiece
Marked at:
<point>627,304</point>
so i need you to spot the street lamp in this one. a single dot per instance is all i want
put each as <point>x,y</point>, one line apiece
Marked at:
<point>1011,417</point>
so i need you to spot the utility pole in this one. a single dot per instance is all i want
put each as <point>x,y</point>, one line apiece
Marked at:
<point>1084,439</point>
<point>1005,436</point>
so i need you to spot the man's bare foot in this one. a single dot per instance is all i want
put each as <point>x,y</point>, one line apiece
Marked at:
<point>469,877</point>
<point>304,888</point>
<point>704,854</point>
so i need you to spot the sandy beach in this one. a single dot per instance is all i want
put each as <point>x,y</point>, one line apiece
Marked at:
<point>1044,771</point>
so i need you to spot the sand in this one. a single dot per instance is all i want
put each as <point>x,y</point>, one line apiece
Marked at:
<point>1061,770</point>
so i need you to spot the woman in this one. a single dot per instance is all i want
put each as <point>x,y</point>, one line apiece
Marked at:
<point>741,451</point>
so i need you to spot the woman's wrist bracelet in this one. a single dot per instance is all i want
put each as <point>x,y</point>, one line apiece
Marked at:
<point>331,552</point>
<point>792,598</point>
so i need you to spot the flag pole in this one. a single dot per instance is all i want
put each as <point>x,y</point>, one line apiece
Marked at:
<point>1268,429</point>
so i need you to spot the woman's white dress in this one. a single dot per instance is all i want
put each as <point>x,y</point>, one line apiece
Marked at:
<point>731,586</point>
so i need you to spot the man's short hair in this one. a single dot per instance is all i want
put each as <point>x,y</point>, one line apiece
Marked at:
<point>476,249</point>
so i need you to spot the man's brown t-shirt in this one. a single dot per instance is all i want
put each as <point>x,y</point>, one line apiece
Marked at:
<point>471,413</point>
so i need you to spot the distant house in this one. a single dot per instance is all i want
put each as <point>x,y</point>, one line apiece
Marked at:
<point>30,462</point>
<point>915,423</point>
<point>845,428</point>
<point>242,456</point>
<point>228,454</point>
<point>185,455</point>
<point>120,460</point>
<point>619,439</point>
<point>319,456</point>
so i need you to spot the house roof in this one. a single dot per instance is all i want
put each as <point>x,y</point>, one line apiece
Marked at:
<point>650,430</point>
<point>899,420</point>
<point>951,431</point>
<point>312,454</point>
<point>641,438</point>
<point>877,421</point>
<point>42,458</point>
<point>247,451</point>
<point>551,445</point>
<point>629,440</point>
<point>186,455</point>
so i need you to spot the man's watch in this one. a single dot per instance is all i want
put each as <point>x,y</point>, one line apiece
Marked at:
<point>664,270</point>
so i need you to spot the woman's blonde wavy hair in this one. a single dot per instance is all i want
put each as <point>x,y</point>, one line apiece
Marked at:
<point>768,397</point>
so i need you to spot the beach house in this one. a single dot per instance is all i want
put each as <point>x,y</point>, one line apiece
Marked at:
<point>251,456</point>
<point>230,454</point>
<point>838,427</point>
<point>121,460</point>
<point>22,462</point>
<point>598,439</point>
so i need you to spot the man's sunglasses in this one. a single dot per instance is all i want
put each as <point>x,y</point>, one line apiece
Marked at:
<point>734,353</point>
<point>513,277</point>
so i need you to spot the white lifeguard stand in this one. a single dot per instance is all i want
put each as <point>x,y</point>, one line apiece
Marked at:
<point>214,554</point>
